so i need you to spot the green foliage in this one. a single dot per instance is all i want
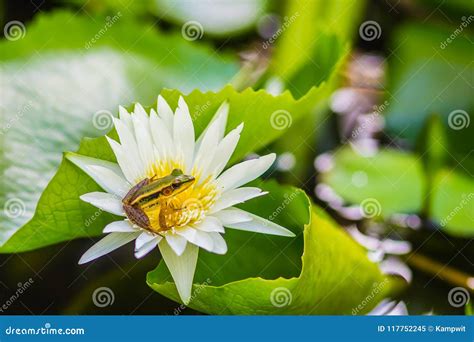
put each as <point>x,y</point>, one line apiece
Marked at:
<point>69,67</point>
<point>393,178</point>
<point>312,48</point>
<point>398,181</point>
<point>452,202</point>
<point>426,77</point>
<point>263,274</point>
<point>308,23</point>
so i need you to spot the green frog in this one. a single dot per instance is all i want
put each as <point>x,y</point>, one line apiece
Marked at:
<point>151,195</point>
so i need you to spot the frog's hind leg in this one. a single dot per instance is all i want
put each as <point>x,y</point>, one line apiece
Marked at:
<point>137,216</point>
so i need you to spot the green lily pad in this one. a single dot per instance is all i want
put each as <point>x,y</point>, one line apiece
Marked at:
<point>62,79</point>
<point>452,202</point>
<point>60,214</point>
<point>391,180</point>
<point>429,73</point>
<point>263,274</point>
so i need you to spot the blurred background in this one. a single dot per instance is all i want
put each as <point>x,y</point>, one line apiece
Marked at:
<point>387,150</point>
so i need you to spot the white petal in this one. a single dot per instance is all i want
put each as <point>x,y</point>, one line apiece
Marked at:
<point>140,113</point>
<point>244,172</point>
<point>219,244</point>
<point>165,113</point>
<point>208,145</point>
<point>143,239</point>
<point>105,201</point>
<point>176,242</point>
<point>221,116</point>
<point>224,151</point>
<point>128,142</point>
<point>131,171</point>
<point>181,267</point>
<point>260,225</point>
<point>108,175</point>
<point>183,134</point>
<point>235,196</point>
<point>109,243</point>
<point>125,117</point>
<point>123,226</point>
<point>147,247</point>
<point>144,140</point>
<point>210,224</point>
<point>197,237</point>
<point>162,137</point>
<point>232,215</point>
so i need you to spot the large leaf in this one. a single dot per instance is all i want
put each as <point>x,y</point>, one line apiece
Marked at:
<point>64,70</point>
<point>306,23</point>
<point>391,181</point>
<point>61,216</point>
<point>261,274</point>
<point>429,73</point>
<point>395,182</point>
<point>452,202</point>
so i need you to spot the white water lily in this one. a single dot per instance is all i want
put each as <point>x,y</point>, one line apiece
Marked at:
<point>172,190</point>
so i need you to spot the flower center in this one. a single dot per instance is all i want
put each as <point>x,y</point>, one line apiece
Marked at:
<point>186,208</point>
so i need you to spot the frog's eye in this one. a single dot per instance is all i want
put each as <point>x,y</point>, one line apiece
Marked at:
<point>168,191</point>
